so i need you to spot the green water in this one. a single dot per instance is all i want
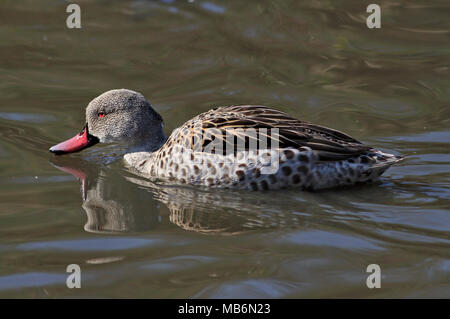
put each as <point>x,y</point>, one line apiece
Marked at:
<point>316,60</point>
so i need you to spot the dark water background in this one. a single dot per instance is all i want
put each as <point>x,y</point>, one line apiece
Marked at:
<point>316,60</point>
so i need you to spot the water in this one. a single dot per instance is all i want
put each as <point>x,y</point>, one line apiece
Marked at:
<point>316,60</point>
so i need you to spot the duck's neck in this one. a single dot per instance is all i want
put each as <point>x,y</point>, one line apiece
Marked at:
<point>150,143</point>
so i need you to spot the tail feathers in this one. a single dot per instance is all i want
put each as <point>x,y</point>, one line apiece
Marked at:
<point>382,162</point>
<point>387,161</point>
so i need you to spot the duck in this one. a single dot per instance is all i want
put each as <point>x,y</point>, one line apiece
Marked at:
<point>251,147</point>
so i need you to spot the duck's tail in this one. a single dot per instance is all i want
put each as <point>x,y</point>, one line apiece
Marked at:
<point>378,163</point>
<point>363,168</point>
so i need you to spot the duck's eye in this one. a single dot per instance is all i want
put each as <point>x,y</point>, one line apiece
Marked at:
<point>101,114</point>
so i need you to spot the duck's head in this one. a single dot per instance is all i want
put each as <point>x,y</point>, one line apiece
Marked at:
<point>117,116</point>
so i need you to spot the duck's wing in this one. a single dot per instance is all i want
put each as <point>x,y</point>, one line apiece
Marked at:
<point>237,121</point>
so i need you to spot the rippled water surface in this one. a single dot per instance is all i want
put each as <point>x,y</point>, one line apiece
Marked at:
<point>316,60</point>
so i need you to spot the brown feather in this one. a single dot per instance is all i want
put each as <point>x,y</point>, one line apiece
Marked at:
<point>328,144</point>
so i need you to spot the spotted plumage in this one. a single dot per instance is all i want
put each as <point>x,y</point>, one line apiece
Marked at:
<point>308,156</point>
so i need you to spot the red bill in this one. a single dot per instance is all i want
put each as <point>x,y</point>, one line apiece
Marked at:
<point>75,144</point>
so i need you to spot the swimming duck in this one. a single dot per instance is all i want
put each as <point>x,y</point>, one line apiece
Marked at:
<point>246,147</point>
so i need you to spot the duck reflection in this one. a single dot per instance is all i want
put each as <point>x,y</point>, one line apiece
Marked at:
<point>111,206</point>
<point>117,201</point>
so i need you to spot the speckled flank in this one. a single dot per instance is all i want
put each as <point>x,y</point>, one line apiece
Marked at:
<point>298,168</point>
<point>307,156</point>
